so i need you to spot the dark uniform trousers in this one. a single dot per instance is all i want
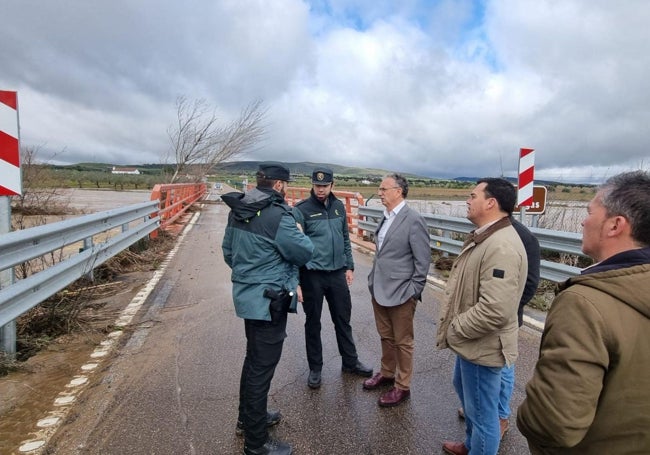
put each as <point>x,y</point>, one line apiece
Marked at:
<point>315,285</point>
<point>264,340</point>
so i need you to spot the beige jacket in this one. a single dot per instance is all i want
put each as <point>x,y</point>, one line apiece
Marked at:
<point>478,316</point>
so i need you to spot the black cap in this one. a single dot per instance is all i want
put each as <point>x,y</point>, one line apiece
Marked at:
<point>322,176</point>
<point>275,171</point>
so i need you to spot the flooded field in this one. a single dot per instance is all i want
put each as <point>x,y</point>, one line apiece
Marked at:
<point>89,201</point>
<point>559,216</point>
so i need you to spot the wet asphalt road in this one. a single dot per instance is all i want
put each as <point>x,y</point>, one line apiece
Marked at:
<point>173,386</point>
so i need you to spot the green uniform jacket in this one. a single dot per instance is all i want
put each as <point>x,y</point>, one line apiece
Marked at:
<point>264,248</point>
<point>327,227</point>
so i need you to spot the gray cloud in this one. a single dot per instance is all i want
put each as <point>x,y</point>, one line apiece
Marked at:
<point>438,90</point>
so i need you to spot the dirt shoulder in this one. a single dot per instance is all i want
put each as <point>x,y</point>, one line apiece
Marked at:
<point>30,392</point>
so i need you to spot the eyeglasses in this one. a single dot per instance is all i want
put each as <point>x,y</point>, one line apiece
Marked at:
<point>383,190</point>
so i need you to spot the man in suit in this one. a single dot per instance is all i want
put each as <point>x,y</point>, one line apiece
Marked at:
<point>398,275</point>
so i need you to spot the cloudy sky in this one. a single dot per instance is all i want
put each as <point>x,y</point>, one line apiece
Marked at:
<point>441,88</point>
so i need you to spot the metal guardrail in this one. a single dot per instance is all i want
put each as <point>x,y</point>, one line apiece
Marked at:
<point>20,246</point>
<point>442,228</point>
<point>100,243</point>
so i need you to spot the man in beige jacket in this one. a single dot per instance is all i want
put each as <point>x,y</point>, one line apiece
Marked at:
<point>478,316</point>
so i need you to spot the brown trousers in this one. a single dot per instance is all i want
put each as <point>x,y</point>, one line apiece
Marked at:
<point>395,327</point>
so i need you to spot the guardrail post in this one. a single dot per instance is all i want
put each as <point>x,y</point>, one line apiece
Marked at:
<point>88,244</point>
<point>8,337</point>
<point>448,235</point>
<point>8,331</point>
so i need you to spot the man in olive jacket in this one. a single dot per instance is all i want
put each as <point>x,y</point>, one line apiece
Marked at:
<point>478,315</point>
<point>590,392</point>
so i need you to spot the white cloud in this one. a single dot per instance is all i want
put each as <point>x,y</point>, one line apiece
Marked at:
<point>436,88</point>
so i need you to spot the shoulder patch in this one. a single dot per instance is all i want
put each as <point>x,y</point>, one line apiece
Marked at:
<point>498,273</point>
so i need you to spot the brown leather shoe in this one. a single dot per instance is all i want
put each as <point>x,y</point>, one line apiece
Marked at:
<point>505,425</point>
<point>455,448</point>
<point>377,381</point>
<point>394,397</point>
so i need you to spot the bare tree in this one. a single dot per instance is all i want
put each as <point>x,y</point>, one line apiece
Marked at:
<point>199,141</point>
<point>40,199</point>
<point>40,194</point>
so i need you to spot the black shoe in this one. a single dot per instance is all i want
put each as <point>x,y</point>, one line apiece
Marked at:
<point>314,379</point>
<point>359,369</point>
<point>272,447</point>
<point>272,418</point>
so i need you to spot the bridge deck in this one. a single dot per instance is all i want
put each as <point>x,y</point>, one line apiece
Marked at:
<point>173,387</point>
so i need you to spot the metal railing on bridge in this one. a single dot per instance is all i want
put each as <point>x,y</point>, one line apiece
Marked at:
<point>83,244</point>
<point>445,232</point>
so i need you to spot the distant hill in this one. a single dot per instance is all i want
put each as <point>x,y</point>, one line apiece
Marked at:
<point>306,168</point>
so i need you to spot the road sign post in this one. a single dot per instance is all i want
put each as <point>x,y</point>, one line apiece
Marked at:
<point>526,177</point>
<point>10,181</point>
<point>525,181</point>
<point>10,185</point>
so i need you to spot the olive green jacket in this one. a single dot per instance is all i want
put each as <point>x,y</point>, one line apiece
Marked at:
<point>590,392</point>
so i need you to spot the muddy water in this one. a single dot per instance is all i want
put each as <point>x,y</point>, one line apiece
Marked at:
<point>89,201</point>
<point>560,216</point>
<point>28,395</point>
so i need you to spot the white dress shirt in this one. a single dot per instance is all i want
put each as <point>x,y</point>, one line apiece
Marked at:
<point>388,220</point>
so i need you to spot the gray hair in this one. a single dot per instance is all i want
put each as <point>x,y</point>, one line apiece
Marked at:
<point>400,181</point>
<point>628,195</point>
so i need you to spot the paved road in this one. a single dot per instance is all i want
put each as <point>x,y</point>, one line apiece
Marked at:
<point>173,388</point>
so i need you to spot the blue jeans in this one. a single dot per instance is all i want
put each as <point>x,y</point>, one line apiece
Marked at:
<point>478,388</point>
<point>507,384</point>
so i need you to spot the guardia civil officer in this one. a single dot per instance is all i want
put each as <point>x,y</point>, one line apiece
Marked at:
<point>327,275</point>
<point>264,248</point>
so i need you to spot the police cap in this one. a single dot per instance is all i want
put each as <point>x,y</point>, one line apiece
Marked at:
<point>322,176</point>
<point>275,171</point>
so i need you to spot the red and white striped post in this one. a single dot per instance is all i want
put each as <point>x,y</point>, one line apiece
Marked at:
<point>10,181</point>
<point>526,177</point>
<point>10,185</point>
